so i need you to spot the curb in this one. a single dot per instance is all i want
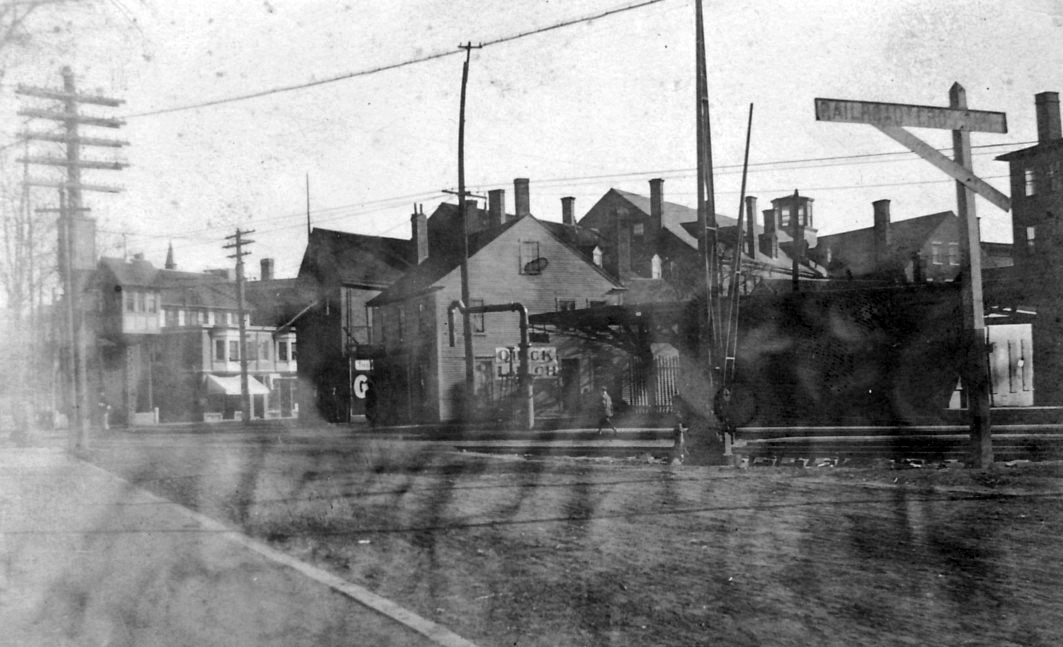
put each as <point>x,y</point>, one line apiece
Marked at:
<point>427,628</point>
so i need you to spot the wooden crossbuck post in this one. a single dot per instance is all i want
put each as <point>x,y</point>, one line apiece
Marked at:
<point>891,119</point>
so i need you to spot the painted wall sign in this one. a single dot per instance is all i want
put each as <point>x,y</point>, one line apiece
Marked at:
<point>542,361</point>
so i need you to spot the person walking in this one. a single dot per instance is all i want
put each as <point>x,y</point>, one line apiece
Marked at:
<point>605,412</point>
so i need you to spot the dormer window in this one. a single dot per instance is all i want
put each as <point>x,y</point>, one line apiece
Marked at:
<point>596,255</point>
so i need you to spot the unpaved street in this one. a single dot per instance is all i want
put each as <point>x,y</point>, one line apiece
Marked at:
<point>508,551</point>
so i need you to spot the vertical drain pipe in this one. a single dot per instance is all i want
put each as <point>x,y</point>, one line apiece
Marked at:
<point>524,376</point>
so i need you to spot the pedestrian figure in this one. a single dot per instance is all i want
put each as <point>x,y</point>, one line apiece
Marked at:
<point>682,425</point>
<point>105,412</point>
<point>605,412</point>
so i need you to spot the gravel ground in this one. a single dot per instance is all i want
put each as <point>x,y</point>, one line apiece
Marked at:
<point>510,551</point>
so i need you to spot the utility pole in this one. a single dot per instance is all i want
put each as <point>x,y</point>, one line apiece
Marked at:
<point>238,244</point>
<point>466,319</point>
<point>77,253</point>
<point>797,233</point>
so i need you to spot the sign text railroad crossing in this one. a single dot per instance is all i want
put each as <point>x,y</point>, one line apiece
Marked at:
<point>914,116</point>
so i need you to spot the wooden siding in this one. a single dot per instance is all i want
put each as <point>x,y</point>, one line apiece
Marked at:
<point>496,278</point>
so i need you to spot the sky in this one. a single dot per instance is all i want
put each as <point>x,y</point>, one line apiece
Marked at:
<point>577,108</point>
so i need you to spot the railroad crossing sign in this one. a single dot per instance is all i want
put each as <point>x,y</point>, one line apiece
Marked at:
<point>891,118</point>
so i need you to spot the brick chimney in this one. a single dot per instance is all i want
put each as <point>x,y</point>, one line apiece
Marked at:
<point>1048,126</point>
<point>419,235</point>
<point>267,269</point>
<point>568,215</point>
<point>521,199</point>
<point>496,207</point>
<point>473,222</point>
<point>769,240</point>
<point>769,220</point>
<point>881,231</point>
<point>751,230</point>
<point>656,204</point>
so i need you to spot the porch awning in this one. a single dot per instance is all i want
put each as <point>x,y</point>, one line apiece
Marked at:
<point>230,385</point>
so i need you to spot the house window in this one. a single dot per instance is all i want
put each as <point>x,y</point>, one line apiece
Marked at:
<point>234,350</point>
<point>171,317</point>
<point>477,320</point>
<point>596,304</point>
<point>564,305</point>
<point>293,351</point>
<point>529,257</point>
<point>141,297</point>
<point>219,350</point>
<point>251,351</point>
<point>130,301</point>
<point>181,316</point>
<point>1031,233</point>
<point>402,323</point>
<point>1031,181</point>
<point>655,267</point>
<point>423,319</point>
<point>638,229</point>
<point>935,253</point>
<point>282,351</point>
<point>149,300</point>
<point>954,254</point>
<point>597,256</point>
<point>1054,179</point>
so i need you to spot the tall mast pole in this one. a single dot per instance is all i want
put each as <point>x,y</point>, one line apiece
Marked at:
<point>706,201</point>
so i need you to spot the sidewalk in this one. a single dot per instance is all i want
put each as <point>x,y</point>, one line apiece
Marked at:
<point>87,558</point>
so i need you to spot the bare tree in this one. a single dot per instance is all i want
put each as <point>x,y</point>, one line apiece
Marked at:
<point>34,35</point>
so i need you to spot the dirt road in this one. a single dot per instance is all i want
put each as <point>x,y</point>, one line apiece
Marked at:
<point>507,551</point>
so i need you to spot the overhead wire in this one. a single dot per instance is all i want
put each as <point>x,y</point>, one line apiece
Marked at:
<point>391,66</point>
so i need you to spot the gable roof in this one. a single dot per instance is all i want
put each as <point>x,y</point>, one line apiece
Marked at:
<point>906,237</point>
<point>196,289</point>
<point>673,215</point>
<point>355,259</point>
<point>582,238</point>
<point>421,278</point>
<point>137,272</point>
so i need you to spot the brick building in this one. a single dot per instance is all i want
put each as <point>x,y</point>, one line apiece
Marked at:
<point>1037,228</point>
<point>925,249</point>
